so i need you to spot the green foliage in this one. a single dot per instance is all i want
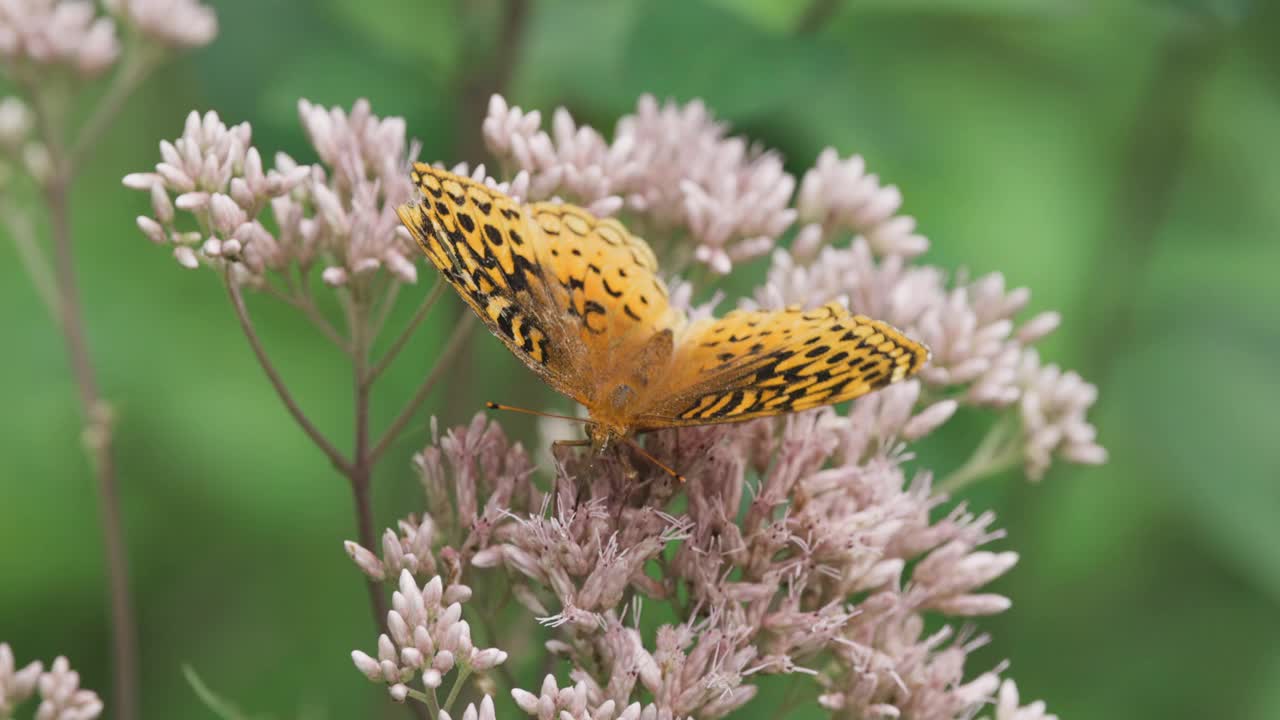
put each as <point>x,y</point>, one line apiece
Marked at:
<point>218,705</point>
<point>1147,588</point>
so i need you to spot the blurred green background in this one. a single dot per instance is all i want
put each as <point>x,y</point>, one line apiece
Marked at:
<point>1121,159</point>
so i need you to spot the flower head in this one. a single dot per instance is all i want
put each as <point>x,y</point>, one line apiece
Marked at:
<point>426,638</point>
<point>339,213</point>
<point>62,698</point>
<point>675,166</point>
<point>833,516</point>
<point>575,702</point>
<point>1052,408</point>
<point>16,684</point>
<point>173,23</point>
<point>840,195</point>
<point>68,33</point>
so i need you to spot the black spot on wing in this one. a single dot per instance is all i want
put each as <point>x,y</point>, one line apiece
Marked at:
<point>591,309</point>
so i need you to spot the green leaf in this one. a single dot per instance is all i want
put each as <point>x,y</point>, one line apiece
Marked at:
<point>1200,407</point>
<point>423,30</point>
<point>573,53</point>
<point>1266,704</point>
<point>691,50</point>
<point>220,706</point>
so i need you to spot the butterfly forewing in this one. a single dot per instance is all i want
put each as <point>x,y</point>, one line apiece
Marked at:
<point>574,297</point>
<point>482,244</point>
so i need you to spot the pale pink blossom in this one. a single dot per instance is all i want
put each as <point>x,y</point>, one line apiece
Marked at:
<point>69,33</point>
<point>339,212</point>
<point>674,165</point>
<point>174,23</point>
<point>1052,408</point>
<point>426,638</point>
<point>62,698</point>
<point>1007,707</point>
<point>16,684</point>
<point>839,194</point>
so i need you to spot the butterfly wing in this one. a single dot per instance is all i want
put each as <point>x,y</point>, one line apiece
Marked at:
<point>752,364</point>
<point>482,243</point>
<point>572,296</point>
<point>605,279</point>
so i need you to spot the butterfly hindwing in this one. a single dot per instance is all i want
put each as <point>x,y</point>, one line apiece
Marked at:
<point>605,278</point>
<point>752,364</point>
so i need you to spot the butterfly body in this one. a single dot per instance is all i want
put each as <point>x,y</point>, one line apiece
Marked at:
<point>578,300</point>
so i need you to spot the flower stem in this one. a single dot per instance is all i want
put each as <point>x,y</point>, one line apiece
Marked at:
<point>50,104</point>
<point>418,316</point>
<point>388,303</point>
<point>433,703</point>
<point>999,451</point>
<point>361,478</point>
<point>33,259</point>
<point>317,437</point>
<point>97,438</point>
<point>815,16</point>
<point>419,711</point>
<point>307,307</point>
<point>443,360</point>
<point>134,69</point>
<point>484,77</point>
<point>361,474</point>
<point>463,674</point>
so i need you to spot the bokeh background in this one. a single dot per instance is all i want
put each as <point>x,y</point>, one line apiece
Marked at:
<point>1120,158</point>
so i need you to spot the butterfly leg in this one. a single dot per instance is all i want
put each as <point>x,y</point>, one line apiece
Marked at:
<point>580,489</point>
<point>556,445</point>
<point>629,472</point>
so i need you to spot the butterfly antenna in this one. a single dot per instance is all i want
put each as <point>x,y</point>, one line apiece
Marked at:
<point>653,459</point>
<point>539,413</point>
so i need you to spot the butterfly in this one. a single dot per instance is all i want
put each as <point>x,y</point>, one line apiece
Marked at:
<point>578,300</point>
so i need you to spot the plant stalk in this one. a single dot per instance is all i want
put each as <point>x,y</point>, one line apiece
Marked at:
<point>361,471</point>
<point>97,416</point>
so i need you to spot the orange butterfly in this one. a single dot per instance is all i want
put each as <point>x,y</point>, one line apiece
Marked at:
<point>579,301</point>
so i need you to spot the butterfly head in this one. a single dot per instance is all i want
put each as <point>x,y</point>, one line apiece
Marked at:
<point>603,435</point>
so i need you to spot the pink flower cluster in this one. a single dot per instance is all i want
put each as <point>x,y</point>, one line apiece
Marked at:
<point>72,33</point>
<point>801,539</point>
<point>61,697</point>
<point>338,213</point>
<point>811,545</point>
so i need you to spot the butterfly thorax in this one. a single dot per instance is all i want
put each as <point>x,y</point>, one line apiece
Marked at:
<point>611,419</point>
